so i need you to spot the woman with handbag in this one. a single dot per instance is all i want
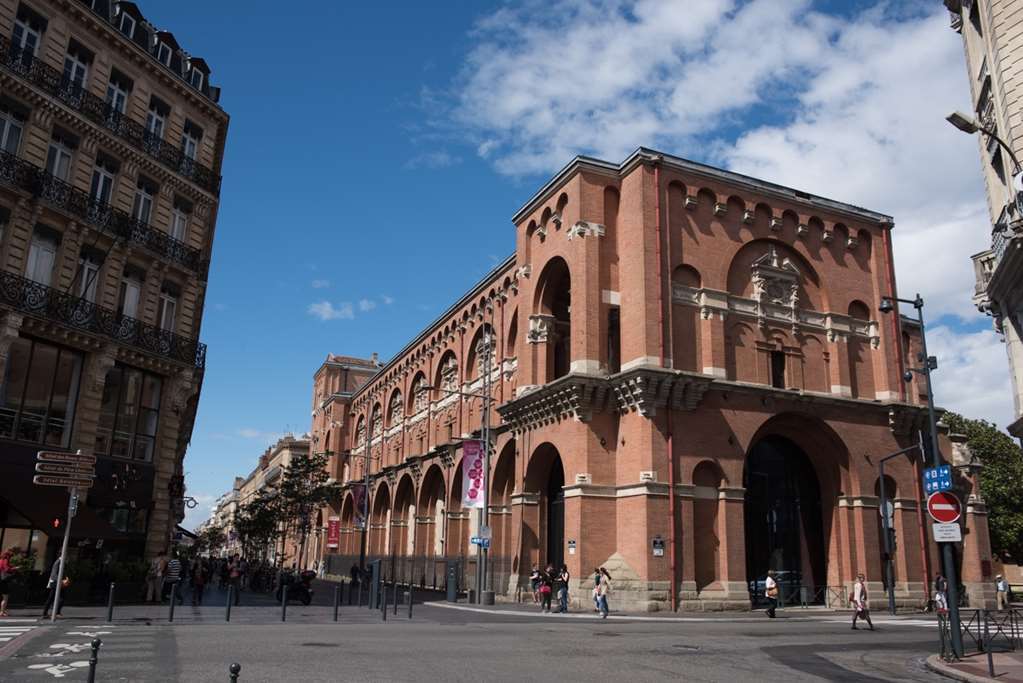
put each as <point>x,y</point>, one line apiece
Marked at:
<point>603,590</point>
<point>861,609</point>
<point>771,591</point>
<point>546,588</point>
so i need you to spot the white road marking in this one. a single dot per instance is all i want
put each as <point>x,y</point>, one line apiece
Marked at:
<point>72,647</point>
<point>11,632</point>
<point>59,670</point>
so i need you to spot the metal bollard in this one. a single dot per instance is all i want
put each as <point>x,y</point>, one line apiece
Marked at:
<point>235,669</point>
<point>110,604</point>
<point>395,597</point>
<point>93,659</point>
<point>337,599</point>
<point>284,602</point>
<point>359,602</point>
<point>230,601</point>
<point>383,603</point>
<point>987,647</point>
<point>173,599</point>
<point>410,601</point>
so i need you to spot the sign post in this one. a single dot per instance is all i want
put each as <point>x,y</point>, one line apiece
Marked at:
<point>73,471</point>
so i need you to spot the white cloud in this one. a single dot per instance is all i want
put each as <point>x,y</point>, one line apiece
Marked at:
<point>434,160</point>
<point>388,300</point>
<point>367,305</point>
<point>849,107</point>
<point>250,433</point>
<point>320,284</point>
<point>325,310</point>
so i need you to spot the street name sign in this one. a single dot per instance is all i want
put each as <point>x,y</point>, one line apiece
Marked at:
<point>67,482</point>
<point>944,507</point>
<point>67,458</point>
<point>481,542</point>
<point>66,470</point>
<point>937,479</point>
<point>947,533</point>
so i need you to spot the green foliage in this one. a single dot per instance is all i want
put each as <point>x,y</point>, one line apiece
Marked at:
<point>257,523</point>
<point>22,563</point>
<point>209,540</point>
<point>1001,481</point>
<point>128,571</point>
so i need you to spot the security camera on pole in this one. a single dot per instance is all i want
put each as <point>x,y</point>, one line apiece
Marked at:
<point>72,471</point>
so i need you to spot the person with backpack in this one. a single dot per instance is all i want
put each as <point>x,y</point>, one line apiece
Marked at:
<point>861,608</point>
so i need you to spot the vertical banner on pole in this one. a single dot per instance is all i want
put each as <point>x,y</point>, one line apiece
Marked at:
<point>472,474</point>
<point>333,532</point>
<point>359,500</point>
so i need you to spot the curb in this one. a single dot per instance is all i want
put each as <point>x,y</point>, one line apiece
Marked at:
<point>939,667</point>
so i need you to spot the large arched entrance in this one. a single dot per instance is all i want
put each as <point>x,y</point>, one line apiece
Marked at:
<point>784,522</point>
<point>546,477</point>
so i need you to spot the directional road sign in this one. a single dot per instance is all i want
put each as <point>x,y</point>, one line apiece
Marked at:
<point>481,542</point>
<point>67,458</point>
<point>47,480</point>
<point>937,479</point>
<point>944,507</point>
<point>65,470</point>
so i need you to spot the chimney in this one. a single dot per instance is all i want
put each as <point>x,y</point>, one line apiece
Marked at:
<point>373,358</point>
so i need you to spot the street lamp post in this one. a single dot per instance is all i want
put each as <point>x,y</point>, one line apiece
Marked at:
<point>970,125</point>
<point>947,550</point>
<point>886,527</point>
<point>366,457</point>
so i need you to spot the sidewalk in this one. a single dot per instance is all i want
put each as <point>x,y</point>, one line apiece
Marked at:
<point>973,668</point>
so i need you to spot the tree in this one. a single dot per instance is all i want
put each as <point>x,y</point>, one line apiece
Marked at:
<point>1001,481</point>
<point>305,486</point>
<point>257,523</point>
<point>210,539</point>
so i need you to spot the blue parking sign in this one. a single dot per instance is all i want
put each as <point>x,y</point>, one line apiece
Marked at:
<point>937,479</point>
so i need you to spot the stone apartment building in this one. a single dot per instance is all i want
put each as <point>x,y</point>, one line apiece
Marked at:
<point>992,35</point>
<point>111,145</point>
<point>692,385</point>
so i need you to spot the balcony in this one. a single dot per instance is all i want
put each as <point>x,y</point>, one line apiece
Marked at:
<point>25,176</point>
<point>38,300</point>
<point>51,81</point>
<point>999,270</point>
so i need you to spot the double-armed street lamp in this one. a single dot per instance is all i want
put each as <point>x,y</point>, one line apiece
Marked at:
<point>929,363</point>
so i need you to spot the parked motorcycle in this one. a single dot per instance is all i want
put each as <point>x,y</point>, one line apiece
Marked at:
<point>300,588</point>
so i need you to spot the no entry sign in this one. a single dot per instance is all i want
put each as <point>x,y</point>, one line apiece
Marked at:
<point>944,507</point>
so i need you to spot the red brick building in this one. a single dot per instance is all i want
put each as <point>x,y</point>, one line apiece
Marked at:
<point>692,385</point>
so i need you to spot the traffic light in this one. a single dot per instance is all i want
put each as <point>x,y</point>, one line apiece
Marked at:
<point>56,522</point>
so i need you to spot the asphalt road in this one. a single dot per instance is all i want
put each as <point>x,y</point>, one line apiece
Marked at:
<point>445,644</point>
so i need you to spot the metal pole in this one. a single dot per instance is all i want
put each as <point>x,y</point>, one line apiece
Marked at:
<point>110,604</point>
<point>987,647</point>
<point>889,578</point>
<point>284,602</point>
<point>337,600</point>
<point>489,339</point>
<point>230,601</point>
<point>396,596</point>
<point>173,599</point>
<point>365,495</point>
<point>94,659</point>
<point>72,506</point>
<point>410,600</point>
<point>383,603</point>
<point>947,551</point>
<point>234,671</point>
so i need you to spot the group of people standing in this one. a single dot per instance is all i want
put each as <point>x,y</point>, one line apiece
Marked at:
<point>548,582</point>
<point>167,575</point>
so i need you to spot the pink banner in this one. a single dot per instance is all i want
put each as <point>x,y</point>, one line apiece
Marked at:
<point>333,532</point>
<point>359,499</point>
<point>472,474</point>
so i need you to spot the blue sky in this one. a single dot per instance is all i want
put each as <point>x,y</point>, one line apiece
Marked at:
<point>377,151</point>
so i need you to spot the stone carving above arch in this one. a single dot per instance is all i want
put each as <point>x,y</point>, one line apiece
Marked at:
<point>776,283</point>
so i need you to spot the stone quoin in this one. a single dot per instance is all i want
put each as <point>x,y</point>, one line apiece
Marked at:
<point>692,385</point>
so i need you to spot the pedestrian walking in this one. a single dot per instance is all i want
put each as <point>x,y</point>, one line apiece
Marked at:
<point>51,587</point>
<point>596,592</point>
<point>6,572</point>
<point>940,594</point>
<point>603,591</point>
<point>154,577</point>
<point>546,588</point>
<point>234,574</point>
<point>199,576</point>
<point>534,582</point>
<point>771,593</point>
<point>859,599</point>
<point>563,578</point>
<point>1001,593</point>
<point>172,579</point>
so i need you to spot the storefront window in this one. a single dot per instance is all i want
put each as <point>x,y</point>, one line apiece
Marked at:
<point>129,414</point>
<point>39,392</point>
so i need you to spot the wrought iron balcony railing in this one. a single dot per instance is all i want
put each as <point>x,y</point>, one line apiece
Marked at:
<point>39,300</point>
<point>52,81</point>
<point>31,178</point>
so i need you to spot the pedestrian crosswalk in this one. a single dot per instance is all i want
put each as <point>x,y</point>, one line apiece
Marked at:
<point>11,629</point>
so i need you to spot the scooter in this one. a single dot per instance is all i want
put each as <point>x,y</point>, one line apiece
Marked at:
<point>299,588</point>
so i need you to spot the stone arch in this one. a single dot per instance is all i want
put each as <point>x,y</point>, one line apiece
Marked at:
<point>551,326</point>
<point>476,356</point>
<point>544,533</point>
<point>686,346</point>
<point>430,525</point>
<point>859,310</point>
<point>608,245</point>
<point>510,338</point>
<point>395,408</point>
<point>560,209</point>
<point>345,546</point>
<point>446,375</point>
<point>403,517</point>
<point>380,521</point>
<point>418,397</point>
<point>686,275</point>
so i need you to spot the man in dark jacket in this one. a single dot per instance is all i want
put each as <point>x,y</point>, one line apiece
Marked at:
<point>51,587</point>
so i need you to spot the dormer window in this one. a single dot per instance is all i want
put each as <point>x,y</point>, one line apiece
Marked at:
<point>198,79</point>
<point>127,25</point>
<point>164,53</point>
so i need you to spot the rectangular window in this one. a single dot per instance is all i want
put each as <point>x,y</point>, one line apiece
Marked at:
<point>11,127</point>
<point>26,37</point>
<point>117,97</point>
<point>155,122</point>
<point>778,369</point>
<point>179,222</point>
<point>189,145</point>
<point>58,159</point>
<point>131,291</point>
<point>39,393</point>
<point>142,210</point>
<point>127,25</point>
<point>198,79</point>
<point>614,340</point>
<point>88,277</point>
<point>76,68</point>
<point>168,310</point>
<point>102,182</point>
<point>163,53</point>
<point>129,414</point>
<point>42,254</point>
